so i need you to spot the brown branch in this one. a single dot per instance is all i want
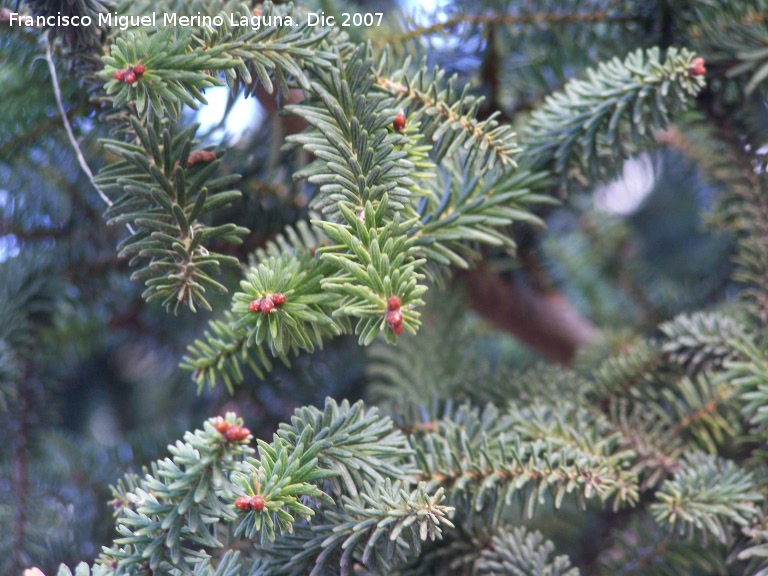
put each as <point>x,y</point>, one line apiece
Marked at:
<point>548,323</point>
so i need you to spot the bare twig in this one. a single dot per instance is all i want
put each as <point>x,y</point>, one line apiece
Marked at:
<point>68,126</point>
<point>70,133</point>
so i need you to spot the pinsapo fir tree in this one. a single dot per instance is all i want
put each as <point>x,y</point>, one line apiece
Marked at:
<point>454,463</point>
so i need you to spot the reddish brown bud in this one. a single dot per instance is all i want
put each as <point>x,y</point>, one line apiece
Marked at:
<point>697,67</point>
<point>394,303</point>
<point>257,503</point>
<point>399,122</point>
<point>139,69</point>
<point>200,156</point>
<point>394,317</point>
<point>130,77</point>
<point>267,305</point>
<point>395,320</point>
<point>220,424</point>
<point>236,433</point>
<point>255,305</point>
<point>243,503</point>
<point>119,75</point>
<point>278,299</point>
<point>257,12</point>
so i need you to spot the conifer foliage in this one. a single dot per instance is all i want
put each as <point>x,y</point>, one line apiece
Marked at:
<point>466,455</point>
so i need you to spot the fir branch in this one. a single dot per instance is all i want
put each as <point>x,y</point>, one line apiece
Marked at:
<point>733,36</point>
<point>170,75</point>
<point>165,188</point>
<point>749,375</point>
<point>752,257</point>
<point>341,448</point>
<point>302,320</point>
<point>567,425</point>
<point>166,519</point>
<point>754,545</point>
<point>652,437</point>
<point>222,354</point>
<point>466,208</point>
<point>365,531</point>
<point>642,549</point>
<point>359,158</point>
<point>280,486</point>
<point>627,374</point>
<point>483,464</point>
<point>741,205</point>
<point>702,409</point>
<point>376,262</point>
<point>589,124</point>
<point>359,444</point>
<point>517,551</point>
<point>701,341</point>
<point>487,550</point>
<point>708,495</point>
<point>430,367</point>
<point>283,52</point>
<point>288,266</point>
<point>447,117</point>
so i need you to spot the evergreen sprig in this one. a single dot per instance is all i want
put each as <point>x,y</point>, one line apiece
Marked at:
<point>749,375</point>
<point>589,124</point>
<point>702,408</point>
<point>360,444</point>
<point>374,533</point>
<point>376,260</point>
<point>652,437</point>
<point>644,549</point>
<point>754,544</point>
<point>488,550</point>
<point>467,208</point>
<point>284,477</point>
<point>303,320</point>
<point>340,448</point>
<point>752,257</point>
<point>173,74</point>
<point>221,354</point>
<point>167,519</point>
<point>701,341</point>
<point>163,190</point>
<point>447,116</point>
<point>266,55</point>
<point>227,348</point>
<point>733,36</point>
<point>481,459</point>
<point>518,551</point>
<point>629,374</point>
<point>707,495</point>
<point>360,158</point>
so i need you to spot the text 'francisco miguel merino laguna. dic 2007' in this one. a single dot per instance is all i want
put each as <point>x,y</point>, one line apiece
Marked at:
<point>155,19</point>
